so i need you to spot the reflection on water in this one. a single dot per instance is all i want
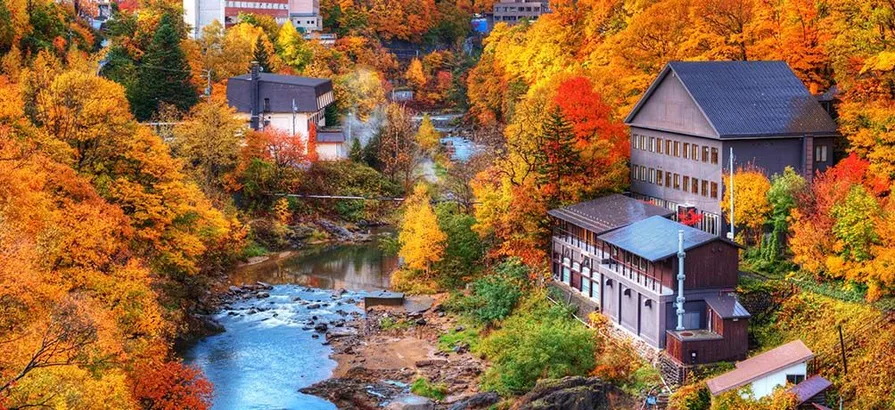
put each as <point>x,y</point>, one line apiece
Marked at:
<point>268,351</point>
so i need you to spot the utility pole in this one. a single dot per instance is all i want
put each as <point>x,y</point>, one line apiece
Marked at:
<point>844,362</point>
<point>208,87</point>
<point>731,234</point>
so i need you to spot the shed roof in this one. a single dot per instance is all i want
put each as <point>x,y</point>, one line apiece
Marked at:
<point>280,91</point>
<point>656,238</point>
<point>810,387</point>
<point>330,136</point>
<point>607,213</point>
<point>727,306</point>
<point>761,365</point>
<point>748,98</point>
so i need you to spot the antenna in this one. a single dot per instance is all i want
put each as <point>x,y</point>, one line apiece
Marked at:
<point>730,235</point>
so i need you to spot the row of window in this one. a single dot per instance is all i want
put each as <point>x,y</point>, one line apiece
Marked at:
<point>258,5</point>
<point>693,185</point>
<point>675,148</point>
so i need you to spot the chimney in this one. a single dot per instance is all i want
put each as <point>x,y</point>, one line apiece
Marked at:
<point>256,96</point>
<point>680,279</point>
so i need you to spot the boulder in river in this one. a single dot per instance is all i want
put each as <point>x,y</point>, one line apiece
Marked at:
<point>321,327</point>
<point>569,393</point>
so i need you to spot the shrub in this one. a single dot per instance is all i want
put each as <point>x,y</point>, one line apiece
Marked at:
<point>412,282</point>
<point>691,397</point>
<point>540,340</point>
<point>423,387</point>
<point>494,296</point>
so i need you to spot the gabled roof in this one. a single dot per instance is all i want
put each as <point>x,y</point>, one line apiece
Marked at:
<point>756,367</point>
<point>810,387</point>
<point>748,98</point>
<point>656,238</point>
<point>280,91</point>
<point>607,213</point>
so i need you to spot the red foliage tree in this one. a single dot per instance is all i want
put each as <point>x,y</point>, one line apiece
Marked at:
<point>171,386</point>
<point>591,117</point>
<point>689,217</point>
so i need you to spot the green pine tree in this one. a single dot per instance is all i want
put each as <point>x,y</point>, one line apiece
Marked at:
<point>261,56</point>
<point>163,75</point>
<point>558,159</point>
<point>357,152</point>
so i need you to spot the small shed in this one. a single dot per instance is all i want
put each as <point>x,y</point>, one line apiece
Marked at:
<point>767,371</point>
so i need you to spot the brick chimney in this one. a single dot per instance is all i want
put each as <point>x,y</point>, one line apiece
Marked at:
<point>256,96</point>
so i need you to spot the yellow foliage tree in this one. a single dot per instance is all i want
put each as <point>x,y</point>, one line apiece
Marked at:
<point>415,76</point>
<point>427,136</point>
<point>751,206</point>
<point>422,241</point>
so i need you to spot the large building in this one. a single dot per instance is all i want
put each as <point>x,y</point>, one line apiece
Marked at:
<point>288,103</point>
<point>513,11</point>
<point>691,117</point>
<point>622,256</point>
<point>304,14</point>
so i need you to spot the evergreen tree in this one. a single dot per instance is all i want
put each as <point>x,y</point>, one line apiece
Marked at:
<point>163,75</point>
<point>357,152</point>
<point>261,56</point>
<point>558,160</point>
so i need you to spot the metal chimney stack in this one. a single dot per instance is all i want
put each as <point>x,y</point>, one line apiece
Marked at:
<point>256,96</point>
<point>680,279</point>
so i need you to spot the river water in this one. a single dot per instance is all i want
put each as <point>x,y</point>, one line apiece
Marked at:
<point>268,351</point>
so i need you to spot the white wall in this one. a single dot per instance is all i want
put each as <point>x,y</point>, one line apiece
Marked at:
<point>200,13</point>
<point>283,122</point>
<point>331,151</point>
<point>766,385</point>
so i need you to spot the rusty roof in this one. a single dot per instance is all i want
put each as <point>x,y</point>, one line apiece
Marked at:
<point>810,387</point>
<point>761,365</point>
<point>609,212</point>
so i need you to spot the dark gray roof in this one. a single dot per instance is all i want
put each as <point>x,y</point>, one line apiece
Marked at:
<point>330,136</point>
<point>607,213</point>
<point>748,98</point>
<point>656,238</point>
<point>280,90</point>
<point>727,306</point>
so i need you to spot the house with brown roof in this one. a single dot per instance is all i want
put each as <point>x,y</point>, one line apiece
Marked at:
<point>669,285</point>
<point>778,367</point>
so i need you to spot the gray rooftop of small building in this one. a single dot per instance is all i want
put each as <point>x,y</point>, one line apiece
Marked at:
<point>656,238</point>
<point>334,136</point>
<point>749,98</point>
<point>727,306</point>
<point>607,213</point>
<point>280,91</point>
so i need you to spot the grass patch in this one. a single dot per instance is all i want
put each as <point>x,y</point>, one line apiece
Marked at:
<point>253,249</point>
<point>469,336</point>
<point>422,387</point>
<point>387,323</point>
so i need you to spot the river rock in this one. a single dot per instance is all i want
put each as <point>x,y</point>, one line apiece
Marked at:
<point>263,285</point>
<point>314,306</point>
<point>411,402</point>
<point>339,292</point>
<point>321,327</point>
<point>568,393</point>
<point>262,295</point>
<point>476,401</point>
<point>235,289</point>
<point>431,362</point>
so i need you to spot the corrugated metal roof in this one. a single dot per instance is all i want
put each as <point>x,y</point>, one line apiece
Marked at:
<point>761,365</point>
<point>727,306</point>
<point>609,212</point>
<point>810,387</point>
<point>749,98</point>
<point>279,90</point>
<point>656,238</point>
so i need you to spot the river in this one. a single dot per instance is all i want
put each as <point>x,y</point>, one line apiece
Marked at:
<point>268,350</point>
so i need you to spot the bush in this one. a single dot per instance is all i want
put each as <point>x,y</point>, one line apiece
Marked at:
<point>494,296</point>
<point>691,397</point>
<point>422,387</point>
<point>412,282</point>
<point>540,340</point>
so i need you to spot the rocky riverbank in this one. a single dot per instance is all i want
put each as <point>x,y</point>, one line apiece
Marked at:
<point>391,348</point>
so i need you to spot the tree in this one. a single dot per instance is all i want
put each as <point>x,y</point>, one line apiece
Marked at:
<point>415,76</point>
<point>558,159</point>
<point>172,386</point>
<point>856,218</point>
<point>164,74</point>
<point>782,196</point>
<point>290,46</point>
<point>396,147</point>
<point>427,137</point>
<point>261,55</point>
<point>751,208</point>
<point>422,240</point>
<point>209,140</point>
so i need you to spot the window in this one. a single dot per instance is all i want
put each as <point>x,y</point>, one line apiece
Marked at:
<point>652,176</point>
<point>667,147</point>
<point>820,153</point>
<point>659,177</point>
<point>795,378</point>
<point>677,181</point>
<point>652,144</point>
<point>634,141</point>
<point>714,155</point>
<point>686,150</point>
<point>695,188</point>
<point>267,105</point>
<point>668,179</point>
<point>714,190</point>
<point>677,148</point>
<point>643,175</point>
<point>705,154</point>
<point>705,188</point>
<point>643,142</point>
<point>694,152</point>
<point>659,145</point>
<point>686,183</point>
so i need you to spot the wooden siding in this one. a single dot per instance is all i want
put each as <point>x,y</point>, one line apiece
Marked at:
<point>733,345</point>
<point>714,265</point>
